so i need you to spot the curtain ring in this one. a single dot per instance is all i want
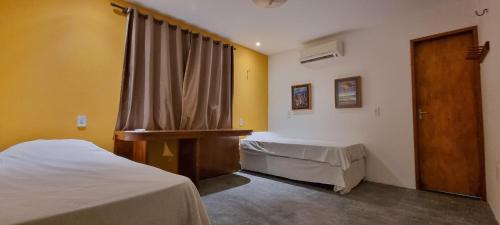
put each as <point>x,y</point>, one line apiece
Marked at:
<point>482,13</point>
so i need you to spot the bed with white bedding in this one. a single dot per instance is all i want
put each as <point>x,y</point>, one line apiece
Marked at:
<point>75,182</point>
<point>306,160</point>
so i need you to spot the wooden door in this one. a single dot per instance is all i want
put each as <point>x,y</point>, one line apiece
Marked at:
<point>447,114</point>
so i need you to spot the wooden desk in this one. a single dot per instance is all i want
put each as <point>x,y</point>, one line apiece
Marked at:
<point>202,153</point>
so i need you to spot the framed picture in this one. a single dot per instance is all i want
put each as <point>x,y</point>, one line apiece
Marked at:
<point>301,97</point>
<point>348,92</point>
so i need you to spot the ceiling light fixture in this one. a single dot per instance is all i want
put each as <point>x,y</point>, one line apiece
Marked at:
<point>269,3</point>
<point>258,43</point>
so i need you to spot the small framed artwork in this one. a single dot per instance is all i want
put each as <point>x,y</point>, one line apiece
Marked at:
<point>301,97</point>
<point>348,92</point>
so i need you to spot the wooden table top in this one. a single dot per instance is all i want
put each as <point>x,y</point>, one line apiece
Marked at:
<point>177,134</point>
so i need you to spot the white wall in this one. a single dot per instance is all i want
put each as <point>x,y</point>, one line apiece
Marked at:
<point>490,74</point>
<point>381,55</point>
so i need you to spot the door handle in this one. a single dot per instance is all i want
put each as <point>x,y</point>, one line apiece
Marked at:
<point>421,113</point>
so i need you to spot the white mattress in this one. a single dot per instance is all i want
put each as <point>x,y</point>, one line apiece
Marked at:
<point>75,182</point>
<point>315,150</point>
<point>306,160</point>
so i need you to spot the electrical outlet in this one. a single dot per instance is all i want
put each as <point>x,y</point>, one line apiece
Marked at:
<point>242,122</point>
<point>377,111</point>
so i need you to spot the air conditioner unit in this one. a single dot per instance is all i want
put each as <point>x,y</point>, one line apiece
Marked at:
<point>331,49</point>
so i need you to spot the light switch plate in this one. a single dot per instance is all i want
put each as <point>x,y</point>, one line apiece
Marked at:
<point>242,122</point>
<point>81,121</point>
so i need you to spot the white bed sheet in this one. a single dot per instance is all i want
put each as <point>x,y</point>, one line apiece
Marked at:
<point>75,182</point>
<point>315,150</point>
<point>305,170</point>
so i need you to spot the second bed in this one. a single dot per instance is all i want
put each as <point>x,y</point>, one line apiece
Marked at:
<point>305,160</point>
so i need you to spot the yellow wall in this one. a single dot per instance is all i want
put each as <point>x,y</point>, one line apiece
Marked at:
<point>59,59</point>
<point>250,89</point>
<point>62,58</point>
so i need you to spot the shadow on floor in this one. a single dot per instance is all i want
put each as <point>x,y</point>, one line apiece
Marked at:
<point>303,184</point>
<point>222,183</point>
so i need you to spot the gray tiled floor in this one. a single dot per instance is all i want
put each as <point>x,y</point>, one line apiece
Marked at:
<point>248,198</point>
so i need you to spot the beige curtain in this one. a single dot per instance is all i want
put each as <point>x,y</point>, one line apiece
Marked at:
<point>207,86</point>
<point>173,79</point>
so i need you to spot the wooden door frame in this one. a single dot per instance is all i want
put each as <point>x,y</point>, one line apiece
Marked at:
<point>477,74</point>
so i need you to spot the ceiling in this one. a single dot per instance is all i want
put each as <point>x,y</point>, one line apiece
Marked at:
<point>288,26</point>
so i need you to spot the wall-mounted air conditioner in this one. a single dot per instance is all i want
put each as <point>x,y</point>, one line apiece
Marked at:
<point>312,53</point>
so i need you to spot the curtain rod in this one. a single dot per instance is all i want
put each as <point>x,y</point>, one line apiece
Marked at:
<point>123,9</point>
<point>126,10</point>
